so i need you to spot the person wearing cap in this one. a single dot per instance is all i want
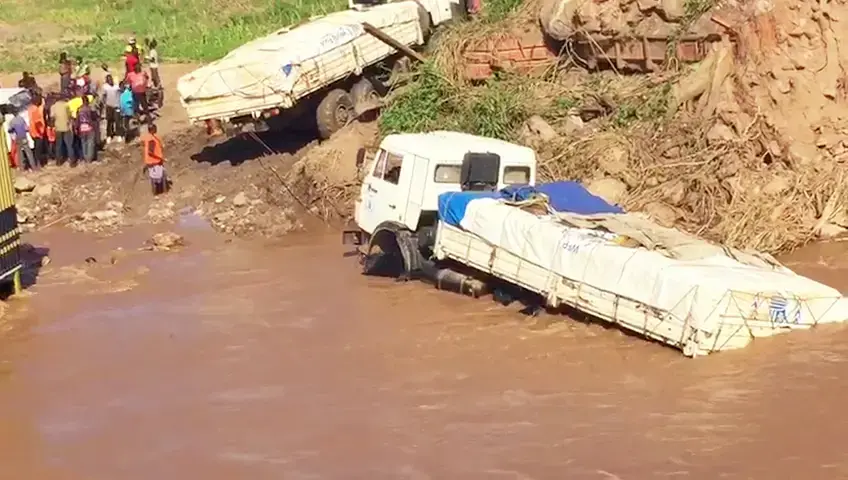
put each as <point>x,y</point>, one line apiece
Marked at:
<point>82,69</point>
<point>132,55</point>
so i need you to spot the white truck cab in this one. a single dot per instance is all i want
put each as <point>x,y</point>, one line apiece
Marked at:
<point>403,181</point>
<point>396,213</point>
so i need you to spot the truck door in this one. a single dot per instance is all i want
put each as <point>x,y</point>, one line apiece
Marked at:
<point>384,199</point>
<point>415,183</point>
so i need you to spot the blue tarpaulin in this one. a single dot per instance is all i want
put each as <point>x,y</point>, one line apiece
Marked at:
<point>452,205</point>
<point>563,197</point>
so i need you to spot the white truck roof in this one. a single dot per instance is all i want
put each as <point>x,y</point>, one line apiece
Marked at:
<point>275,70</point>
<point>445,145</point>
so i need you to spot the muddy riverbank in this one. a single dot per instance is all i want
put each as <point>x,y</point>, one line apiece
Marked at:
<point>236,359</point>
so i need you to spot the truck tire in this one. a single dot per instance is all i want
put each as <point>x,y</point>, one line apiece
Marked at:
<point>333,113</point>
<point>363,93</point>
<point>425,22</point>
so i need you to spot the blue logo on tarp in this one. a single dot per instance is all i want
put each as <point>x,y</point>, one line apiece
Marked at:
<point>779,310</point>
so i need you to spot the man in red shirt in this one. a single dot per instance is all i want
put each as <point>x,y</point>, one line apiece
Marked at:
<point>138,83</point>
<point>132,56</point>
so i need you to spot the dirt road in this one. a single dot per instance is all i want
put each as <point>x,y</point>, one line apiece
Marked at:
<point>247,360</point>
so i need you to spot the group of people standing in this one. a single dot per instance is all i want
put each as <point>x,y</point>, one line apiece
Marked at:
<point>66,126</point>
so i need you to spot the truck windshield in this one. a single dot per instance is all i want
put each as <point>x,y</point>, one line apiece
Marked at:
<point>447,173</point>
<point>516,175</point>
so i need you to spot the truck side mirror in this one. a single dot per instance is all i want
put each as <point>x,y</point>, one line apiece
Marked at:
<point>360,157</point>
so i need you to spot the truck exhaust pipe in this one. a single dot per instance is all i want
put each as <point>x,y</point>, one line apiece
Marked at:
<point>453,281</point>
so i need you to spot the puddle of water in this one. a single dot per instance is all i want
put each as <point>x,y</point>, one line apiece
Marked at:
<point>190,220</point>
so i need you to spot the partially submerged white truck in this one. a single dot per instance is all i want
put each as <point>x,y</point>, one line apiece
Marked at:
<point>320,73</point>
<point>464,212</point>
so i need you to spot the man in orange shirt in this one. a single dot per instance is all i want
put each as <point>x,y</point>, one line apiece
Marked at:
<point>38,129</point>
<point>154,160</point>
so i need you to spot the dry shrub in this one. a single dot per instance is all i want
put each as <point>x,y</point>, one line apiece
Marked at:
<point>729,191</point>
<point>326,181</point>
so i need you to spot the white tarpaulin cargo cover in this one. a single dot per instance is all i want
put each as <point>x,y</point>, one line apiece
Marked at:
<point>698,305</point>
<point>278,69</point>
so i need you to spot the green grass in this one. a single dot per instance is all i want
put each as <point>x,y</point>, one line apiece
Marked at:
<point>187,30</point>
<point>430,102</point>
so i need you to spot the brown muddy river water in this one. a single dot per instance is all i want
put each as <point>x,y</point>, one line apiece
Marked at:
<point>268,361</point>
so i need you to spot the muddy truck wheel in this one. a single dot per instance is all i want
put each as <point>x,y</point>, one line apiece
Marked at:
<point>365,96</point>
<point>333,113</point>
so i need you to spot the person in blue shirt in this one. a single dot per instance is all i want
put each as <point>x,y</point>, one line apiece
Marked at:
<point>127,110</point>
<point>19,128</point>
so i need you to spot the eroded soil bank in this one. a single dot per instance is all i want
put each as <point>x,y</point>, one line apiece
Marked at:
<point>235,359</point>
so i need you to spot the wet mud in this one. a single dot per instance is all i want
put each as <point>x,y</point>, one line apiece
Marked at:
<point>232,360</point>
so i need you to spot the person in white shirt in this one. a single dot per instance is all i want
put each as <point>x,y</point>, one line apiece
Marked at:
<point>152,59</point>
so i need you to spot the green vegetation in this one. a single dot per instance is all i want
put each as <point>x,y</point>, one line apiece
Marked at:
<point>497,10</point>
<point>650,106</point>
<point>187,30</point>
<point>431,102</point>
<point>499,107</point>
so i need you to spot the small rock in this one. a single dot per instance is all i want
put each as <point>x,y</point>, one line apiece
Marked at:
<point>614,161</point>
<point>224,216</point>
<point>830,230</point>
<point>537,127</point>
<point>775,149</point>
<point>776,186</point>
<point>673,10</point>
<point>803,154</point>
<point>220,199</point>
<point>22,218</point>
<point>674,193</point>
<point>610,189</point>
<point>115,205</point>
<point>720,133</point>
<point>573,124</point>
<point>44,190</point>
<point>661,213</point>
<point>240,200</point>
<point>23,184</point>
<point>105,215</point>
<point>672,152</point>
<point>166,240</point>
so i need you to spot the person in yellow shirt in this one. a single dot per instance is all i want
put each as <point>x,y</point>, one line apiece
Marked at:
<point>75,104</point>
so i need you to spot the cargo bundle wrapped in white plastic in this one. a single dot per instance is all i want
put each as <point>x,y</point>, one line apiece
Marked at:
<point>328,64</point>
<point>679,290</point>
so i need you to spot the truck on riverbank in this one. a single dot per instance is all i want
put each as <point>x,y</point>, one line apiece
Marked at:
<point>464,213</point>
<point>321,73</point>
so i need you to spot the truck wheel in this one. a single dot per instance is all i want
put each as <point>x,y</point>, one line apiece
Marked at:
<point>364,94</point>
<point>333,113</point>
